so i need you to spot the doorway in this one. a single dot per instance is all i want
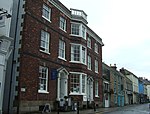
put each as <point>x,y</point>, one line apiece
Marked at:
<point>90,90</point>
<point>62,84</point>
<point>106,96</point>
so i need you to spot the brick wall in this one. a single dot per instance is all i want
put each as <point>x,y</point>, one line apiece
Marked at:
<point>31,57</point>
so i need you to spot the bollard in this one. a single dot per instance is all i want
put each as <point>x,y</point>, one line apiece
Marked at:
<point>77,107</point>
<point>58,107</point>
<point>94,107</point>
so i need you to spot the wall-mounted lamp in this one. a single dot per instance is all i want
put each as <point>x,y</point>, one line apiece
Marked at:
<point>4,12</point>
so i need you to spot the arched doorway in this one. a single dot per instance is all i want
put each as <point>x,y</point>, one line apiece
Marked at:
<point>62,84</point>
<point>90,90</point>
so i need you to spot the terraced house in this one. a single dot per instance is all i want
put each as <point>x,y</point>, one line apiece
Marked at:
<point>56,57</point>
<point>135,84</point>
<point>117,87</point>
<point>106,85</point>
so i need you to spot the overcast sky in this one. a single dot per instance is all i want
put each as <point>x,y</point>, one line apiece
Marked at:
<point>124,26</point>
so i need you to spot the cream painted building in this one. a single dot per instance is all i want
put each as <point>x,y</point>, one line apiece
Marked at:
<point>5,42</point>
<point>148,91</point>
<point>134,80</point>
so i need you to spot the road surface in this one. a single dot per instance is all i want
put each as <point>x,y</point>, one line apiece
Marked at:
<point>132,109</point>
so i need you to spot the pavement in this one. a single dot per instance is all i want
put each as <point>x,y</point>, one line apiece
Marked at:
<point>91,111</point>
<point>86,111</point>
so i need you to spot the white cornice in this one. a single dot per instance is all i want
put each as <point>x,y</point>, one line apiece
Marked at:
<point>60,8</point>
<point>98,39</point>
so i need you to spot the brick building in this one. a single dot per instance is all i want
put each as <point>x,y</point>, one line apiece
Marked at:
<point>56,57</point>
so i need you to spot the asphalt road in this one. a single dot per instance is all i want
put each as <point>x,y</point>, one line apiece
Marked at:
<point>135,109</point>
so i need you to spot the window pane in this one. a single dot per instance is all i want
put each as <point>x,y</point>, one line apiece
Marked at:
<point>89,42</point>
<point>83,83</point>
<point>96,88</point>
<point>83,55</point>
<point>44,41</point>
<point>83,32</point>
<point>89,62</point>
<point>62,23</point>
<point>46,12</point>
<point>61,49</point>
<point>75,52</point>
<point>75,83</point>
<point>96,48</point>
<point>96,66</point>
<point>75,29</point>
<point>43,75</point>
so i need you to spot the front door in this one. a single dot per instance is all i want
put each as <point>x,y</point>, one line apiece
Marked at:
<point>90,90</point>
<point>63,85</point>
<point>106,100</point>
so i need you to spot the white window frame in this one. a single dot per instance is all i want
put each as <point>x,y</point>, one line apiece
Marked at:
<point>96,65</point>
<point>81,30</point>
<point>62,50</point>
<point>46,11</point>
<point>82,54</point>
<point>96,89</point>
<point>89,62</point>
<point>44,42</point>
<point>82,84</point>
<point>96,47</point>
<point>41,72</point>
<point>89,42</point>
<point>62,23</point>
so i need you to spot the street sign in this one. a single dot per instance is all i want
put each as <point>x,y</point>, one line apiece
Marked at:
<point>54,73</point>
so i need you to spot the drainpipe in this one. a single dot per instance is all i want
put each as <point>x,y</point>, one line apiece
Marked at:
<point>58,87</point>
<point>13,54</point>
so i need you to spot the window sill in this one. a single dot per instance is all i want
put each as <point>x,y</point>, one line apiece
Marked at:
<point>78,62</point>
<point>77,36</point>
<point>45,52</point>
<point>97,96</point>
<point>63,30</point>
<point>62,58</point>
<point>96,52</point>
<point>46,19</point>
<point>89,69</point>
<point>89,47</point>
<point>76,94</point>
<point>40,91</point>
<point>96,72</point>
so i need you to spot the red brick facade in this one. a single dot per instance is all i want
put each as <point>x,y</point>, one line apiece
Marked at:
<point>31,57</point>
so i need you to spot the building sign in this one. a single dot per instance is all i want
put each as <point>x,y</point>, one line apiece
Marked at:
<point>129,92</point>
<point>54,73</point>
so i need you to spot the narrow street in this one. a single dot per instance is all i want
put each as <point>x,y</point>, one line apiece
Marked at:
<point>132,109</point>
<point>129,109</point>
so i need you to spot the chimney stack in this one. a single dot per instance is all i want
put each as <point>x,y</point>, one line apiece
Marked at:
<point>114,66</point>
